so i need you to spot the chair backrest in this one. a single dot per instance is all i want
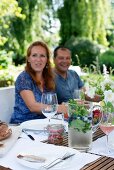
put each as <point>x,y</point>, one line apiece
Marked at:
<point>7,100</point>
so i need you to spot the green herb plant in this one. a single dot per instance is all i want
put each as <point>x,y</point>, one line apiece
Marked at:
<point>79,118</point>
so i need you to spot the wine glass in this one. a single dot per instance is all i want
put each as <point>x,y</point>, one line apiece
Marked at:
<point>107,125</point>
<point>49,104</point>
<point>97,113</point>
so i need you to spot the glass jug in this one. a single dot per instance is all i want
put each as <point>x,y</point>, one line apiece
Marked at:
<point>82,123</point>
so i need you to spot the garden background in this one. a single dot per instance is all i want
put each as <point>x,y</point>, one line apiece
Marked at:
<point>85,26</point>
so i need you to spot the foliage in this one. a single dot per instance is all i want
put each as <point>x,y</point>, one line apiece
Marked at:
<point>110,29</point>
<point>9,75</point>
<point>104,86</point>
<point>6,79</point>
<point>34,22</point>
<point>20,31</point>
<point>8,9</point>
<point>107,89</point>
<point>84,51</point>
<point>107,58</point>
<point>5,59</point>
<point>85,19</point>
<point>110,36</point>
<point>78,116</point>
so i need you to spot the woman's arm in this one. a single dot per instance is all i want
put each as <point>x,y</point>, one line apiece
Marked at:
<point>34,106</point>
<point>29,99</point>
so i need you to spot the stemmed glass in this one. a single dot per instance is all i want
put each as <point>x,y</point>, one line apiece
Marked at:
<point>97,113</point>
<point>107,125</point>
<point>49,104</point>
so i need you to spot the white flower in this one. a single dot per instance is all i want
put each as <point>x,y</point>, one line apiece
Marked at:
<point>90,91</point>
<point>108,96</point>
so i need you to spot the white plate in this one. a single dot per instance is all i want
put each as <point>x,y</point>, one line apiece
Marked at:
<point>51,152</point>
<point>39,124</point>
<point>49,156</point>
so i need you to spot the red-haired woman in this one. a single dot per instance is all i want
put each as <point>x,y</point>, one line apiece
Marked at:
<point>32,82</point>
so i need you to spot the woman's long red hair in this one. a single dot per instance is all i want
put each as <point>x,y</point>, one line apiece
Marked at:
<point>47,72</point>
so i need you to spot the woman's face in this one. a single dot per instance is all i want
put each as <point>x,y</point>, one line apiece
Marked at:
<point>38,58</point>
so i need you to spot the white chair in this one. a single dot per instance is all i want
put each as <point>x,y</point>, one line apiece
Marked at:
<point>7,100</point>
<point>78,70</point>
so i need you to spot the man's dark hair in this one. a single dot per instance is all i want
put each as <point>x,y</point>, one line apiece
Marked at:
<point>59,47</point>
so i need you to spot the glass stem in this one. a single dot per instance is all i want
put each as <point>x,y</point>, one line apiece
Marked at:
<point>49,120</point>
<point>62,118</point>
<point>107,144</point>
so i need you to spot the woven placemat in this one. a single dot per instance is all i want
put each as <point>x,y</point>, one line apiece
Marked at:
<point>96,135</point>
<point>102,163</point>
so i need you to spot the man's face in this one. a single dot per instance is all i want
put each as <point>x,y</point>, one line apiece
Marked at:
<point>63,60</point>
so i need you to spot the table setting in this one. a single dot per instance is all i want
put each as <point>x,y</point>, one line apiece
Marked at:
<point>39,144</point>
<point>24,145</point>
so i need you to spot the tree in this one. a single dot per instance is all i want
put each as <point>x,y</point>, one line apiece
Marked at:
<point>85,18</point>
<point>8,10</point>
<point>35,26</point>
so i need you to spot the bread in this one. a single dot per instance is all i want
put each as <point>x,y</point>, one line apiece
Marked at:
<point>4,168</point>
<point>4,131</point>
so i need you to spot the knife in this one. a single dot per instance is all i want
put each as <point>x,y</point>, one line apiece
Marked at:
<point>30,136</point>
<point>34,130</point>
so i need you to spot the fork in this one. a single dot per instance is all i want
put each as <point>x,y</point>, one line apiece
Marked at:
<point>58,160</point>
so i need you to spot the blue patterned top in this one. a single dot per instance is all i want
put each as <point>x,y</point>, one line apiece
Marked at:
<point>21,111</point>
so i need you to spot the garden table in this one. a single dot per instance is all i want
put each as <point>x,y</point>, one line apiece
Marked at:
<point>102,163</point>
<point>24,143</point>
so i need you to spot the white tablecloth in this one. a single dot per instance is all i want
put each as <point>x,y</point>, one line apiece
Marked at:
<point>24,144</point>
<point>100,146</point>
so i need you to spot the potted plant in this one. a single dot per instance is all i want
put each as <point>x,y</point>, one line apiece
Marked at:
<point>81,123</point>
<point>79,126</point>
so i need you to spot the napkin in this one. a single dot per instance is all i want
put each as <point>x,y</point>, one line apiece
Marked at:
<point>100,146</point>
<point>52,152</point>
<point>25,145</point>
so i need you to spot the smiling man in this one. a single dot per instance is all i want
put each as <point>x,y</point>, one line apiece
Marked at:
<point>66,80</point>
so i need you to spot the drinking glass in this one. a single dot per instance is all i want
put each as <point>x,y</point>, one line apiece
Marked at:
<point>49,104</point>
<point>77,94</point>
<point>97,113</point>
<point>107,125</point>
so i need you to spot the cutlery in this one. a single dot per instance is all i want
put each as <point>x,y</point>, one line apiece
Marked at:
<point>30,136</point>
<point>34,130</point>
<point>31,158</point>
<point>58,160</point>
